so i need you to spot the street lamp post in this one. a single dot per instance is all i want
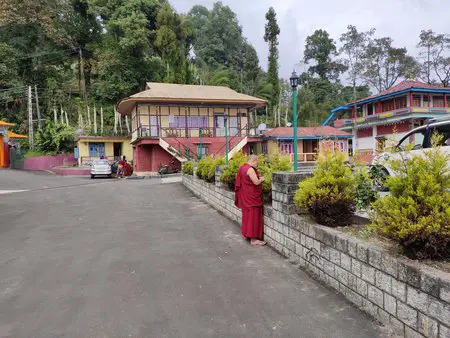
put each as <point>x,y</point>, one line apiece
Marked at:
<point>225,119</point>
<point>294,84</point>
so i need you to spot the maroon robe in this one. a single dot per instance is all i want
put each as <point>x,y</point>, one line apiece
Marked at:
<point>249,198</point>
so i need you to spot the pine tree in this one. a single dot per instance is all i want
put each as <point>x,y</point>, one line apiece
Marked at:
<point>272,30</point>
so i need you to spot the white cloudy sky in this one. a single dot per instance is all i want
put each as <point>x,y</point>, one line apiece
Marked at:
<point>400,19</point>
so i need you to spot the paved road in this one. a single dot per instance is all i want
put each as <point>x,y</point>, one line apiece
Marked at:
<point>109,258</point>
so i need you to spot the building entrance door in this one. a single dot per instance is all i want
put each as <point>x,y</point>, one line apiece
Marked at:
<point>117,150</point>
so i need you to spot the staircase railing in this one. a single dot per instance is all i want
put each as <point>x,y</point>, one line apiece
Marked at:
<point>239,136</point>
<point>185,150</point>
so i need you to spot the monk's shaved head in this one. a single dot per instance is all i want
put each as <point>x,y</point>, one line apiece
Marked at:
<point>253,158</point>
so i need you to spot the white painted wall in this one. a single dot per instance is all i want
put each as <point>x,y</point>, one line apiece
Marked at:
<point>366,143</point>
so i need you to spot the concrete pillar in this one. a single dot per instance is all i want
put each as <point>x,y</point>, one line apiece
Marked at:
<point>219,171</point>
<point>284,186</point>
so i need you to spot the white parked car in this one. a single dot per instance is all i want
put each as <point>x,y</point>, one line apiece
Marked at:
<point>420,140</point>
<point>101,167</point>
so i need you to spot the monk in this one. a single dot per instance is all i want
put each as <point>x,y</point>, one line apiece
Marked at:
<point>249,197</point>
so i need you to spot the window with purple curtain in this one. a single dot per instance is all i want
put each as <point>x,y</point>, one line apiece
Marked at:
<point>193,122</point>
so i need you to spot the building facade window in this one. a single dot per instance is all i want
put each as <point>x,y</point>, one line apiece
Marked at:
<point>96,149</point>
<point>438,102</point>
<point>264,148</point>
<point>286,147</point>
<point>416,101</point>
<point>190,122</point>
<point>202,150</point>
<point>400,102</point>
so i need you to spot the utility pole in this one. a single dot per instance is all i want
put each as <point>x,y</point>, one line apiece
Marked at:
<point>37,108</point>
<point>30,120</point>
<point>115,122</point>
<point>95,120</point>
<point>101,120</point>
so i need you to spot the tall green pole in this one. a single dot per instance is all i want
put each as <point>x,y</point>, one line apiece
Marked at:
<point>226,139</point>
<point>294,123</point>
<point>201,146</point>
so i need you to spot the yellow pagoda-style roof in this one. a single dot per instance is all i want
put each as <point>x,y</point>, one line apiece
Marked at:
<point>14,135</point>
<point>6,124</point>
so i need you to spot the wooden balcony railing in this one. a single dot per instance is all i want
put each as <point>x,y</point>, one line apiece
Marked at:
<point>145,131</point>
<point>304,157</point>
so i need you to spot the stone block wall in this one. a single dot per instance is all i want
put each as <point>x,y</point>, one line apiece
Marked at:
<point>413,299</point>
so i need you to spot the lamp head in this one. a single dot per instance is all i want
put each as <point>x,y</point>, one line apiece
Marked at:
<point>294,80</point>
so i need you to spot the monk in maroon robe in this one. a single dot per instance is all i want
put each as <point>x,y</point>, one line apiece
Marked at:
<point>249,197</point>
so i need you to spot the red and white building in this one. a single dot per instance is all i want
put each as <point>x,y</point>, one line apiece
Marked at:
<point>174,123</point>
<point>391,113</point>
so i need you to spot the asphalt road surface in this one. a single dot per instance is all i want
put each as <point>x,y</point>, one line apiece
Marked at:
<point>140,258</point>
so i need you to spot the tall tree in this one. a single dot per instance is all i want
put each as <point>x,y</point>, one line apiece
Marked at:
<point>126,56</point>
<point>171,44</point>
<point>217,42</point>
<point>250,70</point>
<point>354,44</point>
<point>384,64</point>
<point>272,30</point>
<point>435,57</point>
<point>320,48</point>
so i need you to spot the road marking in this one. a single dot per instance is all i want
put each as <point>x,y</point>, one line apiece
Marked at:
<point>4,192</point>
<point>171,179</point>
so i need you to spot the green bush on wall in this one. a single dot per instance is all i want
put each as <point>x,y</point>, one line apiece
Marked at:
<point>416,213</point>
<point>229,174</point>
<point>329,194</point>
<point>274,163</point>
<point>266,167</point>
<point>188,168</point>
<point>206,168</point>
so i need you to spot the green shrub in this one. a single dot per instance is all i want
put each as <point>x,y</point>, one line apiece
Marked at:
<point>277,163</point>
<point>229,174</point>
<point>416,214</point>
<point>329,194</point>
<point>55,139</point>
<point>200,166</point>
<point>206,168</point>
<point>365,192</point>
<point>274,163</point>
<point>188,168</point>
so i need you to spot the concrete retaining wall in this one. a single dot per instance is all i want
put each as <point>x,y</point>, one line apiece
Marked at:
<point>48,162</point>
<point>411,298</point>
